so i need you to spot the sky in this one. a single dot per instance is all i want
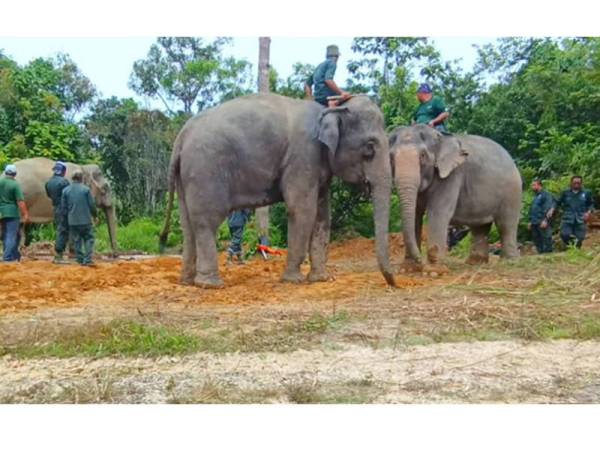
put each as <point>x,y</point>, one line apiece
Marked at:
<point>108,61</point>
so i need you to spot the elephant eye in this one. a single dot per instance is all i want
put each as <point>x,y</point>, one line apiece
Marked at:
<point>369,152</point>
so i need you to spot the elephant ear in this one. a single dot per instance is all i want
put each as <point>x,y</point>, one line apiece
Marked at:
<point>329,130</point>
<point>450,156</point>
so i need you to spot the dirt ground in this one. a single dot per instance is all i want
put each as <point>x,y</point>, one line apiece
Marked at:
<point>391,346</point>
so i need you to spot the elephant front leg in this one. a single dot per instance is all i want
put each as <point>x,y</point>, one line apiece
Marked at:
<point>479,245</point>
<point>302,211</point>
<point>439,212</point>
<point>320,240</point>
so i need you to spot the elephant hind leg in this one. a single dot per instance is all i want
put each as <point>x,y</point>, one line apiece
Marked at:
<point>205,224</point>
<point>507,225</point>
<point>188,270</point>
<point>479,244</point>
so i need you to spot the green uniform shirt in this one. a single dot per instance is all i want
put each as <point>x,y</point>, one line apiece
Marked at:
<point>78,205</point>
<point>324,71</point>
<point>54,188</point>
<point>574,205</point>
<point>542,202</point>
<point>428,111</point>
<point>10,194</point>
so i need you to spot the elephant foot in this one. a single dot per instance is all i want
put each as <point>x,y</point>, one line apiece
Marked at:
<point>208,281</point>
<point>511,255</point>
<point>318,276</point>
<point>433,270</point>
<point>411,266</point>
<point>475,258</point>
<point>292,277</point>
<point>187,277</point>
<point>433,254</point>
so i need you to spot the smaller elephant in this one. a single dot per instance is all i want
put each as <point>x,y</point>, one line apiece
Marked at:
<point>457,180</point>
<point>32,176</point>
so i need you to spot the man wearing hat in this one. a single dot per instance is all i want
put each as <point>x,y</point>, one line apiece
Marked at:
<point>78,207</point>
<point>322,79</point>
<point>12,211</point>
<point>432,111</point>
<point>54,189</point>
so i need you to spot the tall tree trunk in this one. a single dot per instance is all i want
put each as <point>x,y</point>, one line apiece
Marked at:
<point>262,214</point>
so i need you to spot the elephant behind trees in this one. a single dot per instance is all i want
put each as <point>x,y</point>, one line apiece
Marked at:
<point>456,179</point>
<point>261,149</point>
<point>33,173</point>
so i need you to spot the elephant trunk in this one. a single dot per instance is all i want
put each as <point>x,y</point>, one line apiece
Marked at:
<point>111,221</point>
<point>407,175</point>
<point>381,205</point>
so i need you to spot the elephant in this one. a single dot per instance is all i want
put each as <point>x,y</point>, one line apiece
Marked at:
<point>459,180</point>
<point>260,149</point>
<point>32,175</point>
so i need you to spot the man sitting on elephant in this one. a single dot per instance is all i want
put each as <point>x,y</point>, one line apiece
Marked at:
<point>54,188</point>
<point>432,110</point>
<point>322,78</point>
<point>78,207</point>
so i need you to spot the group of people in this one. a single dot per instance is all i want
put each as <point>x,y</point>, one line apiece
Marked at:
<point>576,205</point>
<point>74,210</point>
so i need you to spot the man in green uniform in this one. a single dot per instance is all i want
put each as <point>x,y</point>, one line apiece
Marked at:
<point>322,79</point>
<point>432,111</point>
<point>78,207</point>
<point>576,205</point>
<point>539,222</point>
<point>12,211</point>
<point>54,189</point>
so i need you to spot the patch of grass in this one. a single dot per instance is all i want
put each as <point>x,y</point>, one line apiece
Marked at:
<point>351,392</point>
<point>131,338</point>
<point>126,338</point>
<point>318,323</point>
<point>138,235</point>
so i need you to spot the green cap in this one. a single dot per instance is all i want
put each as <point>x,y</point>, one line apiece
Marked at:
<point>333,50</point>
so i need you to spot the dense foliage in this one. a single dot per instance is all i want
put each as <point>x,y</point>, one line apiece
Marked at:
<point>538,97</point>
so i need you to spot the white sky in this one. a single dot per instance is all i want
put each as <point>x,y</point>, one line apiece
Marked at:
<point>108,61</point>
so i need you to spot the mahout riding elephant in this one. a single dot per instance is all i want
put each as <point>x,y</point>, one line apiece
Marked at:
<point>33,173</point>
<point>260,149</point>
<point>457,180</point>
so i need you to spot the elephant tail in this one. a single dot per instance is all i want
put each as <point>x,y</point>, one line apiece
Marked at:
<point>174,166</point>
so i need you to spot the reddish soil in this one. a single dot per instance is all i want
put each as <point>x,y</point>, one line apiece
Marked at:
<point>35,284</point>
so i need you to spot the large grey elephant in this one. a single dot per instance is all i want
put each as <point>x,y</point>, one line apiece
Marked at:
<point>455,179</point>
<point>32,175</point>
<point>261,149</point>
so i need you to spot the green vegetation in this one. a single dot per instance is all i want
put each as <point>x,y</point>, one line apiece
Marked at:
<point>123,338</point>
<point>132,338</point>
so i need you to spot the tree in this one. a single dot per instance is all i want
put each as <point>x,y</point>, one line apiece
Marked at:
<point>134,147</point>
<point>262,214</point>
<point>38,104</point>
<point>292,86</point>
<point>188,72</point>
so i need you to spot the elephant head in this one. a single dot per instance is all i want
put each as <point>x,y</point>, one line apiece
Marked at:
<point>102,193</point>
<point>357,150</point>
<point>421,156</point>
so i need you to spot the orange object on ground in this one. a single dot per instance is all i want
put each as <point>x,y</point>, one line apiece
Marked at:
<point>268,250</point>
